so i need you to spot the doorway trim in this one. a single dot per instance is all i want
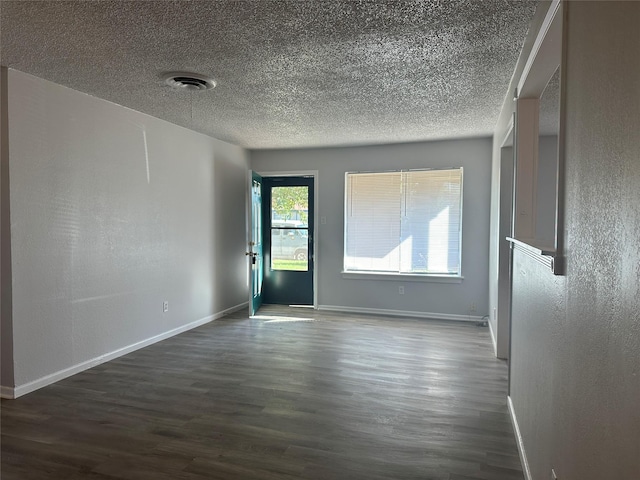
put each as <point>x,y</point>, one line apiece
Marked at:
<point>505,252</point>
<point>314,174</point>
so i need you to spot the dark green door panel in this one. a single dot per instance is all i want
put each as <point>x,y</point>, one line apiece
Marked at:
<point>288,240</point>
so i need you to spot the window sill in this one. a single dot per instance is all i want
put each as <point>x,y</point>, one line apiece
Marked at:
<point>545,256</point>
<point>407,277</point>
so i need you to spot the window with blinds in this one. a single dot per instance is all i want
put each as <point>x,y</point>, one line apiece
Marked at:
<point>404,222</point>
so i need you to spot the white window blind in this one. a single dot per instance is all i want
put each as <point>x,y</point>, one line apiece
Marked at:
<point>404,222</point>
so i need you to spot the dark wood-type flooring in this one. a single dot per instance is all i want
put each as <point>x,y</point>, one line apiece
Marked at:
<point>294,394</point>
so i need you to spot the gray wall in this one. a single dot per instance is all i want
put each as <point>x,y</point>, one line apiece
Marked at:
<point>113,212</point>
<point>546,190</point>
<point>332,163</point>
<point>6,324</point>
<point>576,339</point>
<point>503,329</point>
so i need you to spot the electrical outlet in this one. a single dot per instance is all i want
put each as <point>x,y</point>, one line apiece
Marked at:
<point>401,289</point>
<point>165,306</point>
<point>323,220</point>
<point>553,475</point>
<point>473,308</point>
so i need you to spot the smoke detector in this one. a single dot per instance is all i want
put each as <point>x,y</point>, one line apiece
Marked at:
<point>189,81</point>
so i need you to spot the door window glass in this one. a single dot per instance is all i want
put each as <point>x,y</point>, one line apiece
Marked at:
<point>290,228</point>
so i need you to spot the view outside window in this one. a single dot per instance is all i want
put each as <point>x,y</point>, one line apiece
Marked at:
<point>290,228</point>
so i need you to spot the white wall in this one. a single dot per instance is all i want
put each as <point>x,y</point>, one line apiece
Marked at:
<point>113,212</point>
<point>575,359</point>
<point>439,299</point>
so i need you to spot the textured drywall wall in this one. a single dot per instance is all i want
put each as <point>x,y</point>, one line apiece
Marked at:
<point>6,322</point>
<point>538,312</point>
<point>112,213</point>
<point>332,163</point>
<point>576,339</point>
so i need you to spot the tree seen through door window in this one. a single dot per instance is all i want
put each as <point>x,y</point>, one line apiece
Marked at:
<point>289,228</point>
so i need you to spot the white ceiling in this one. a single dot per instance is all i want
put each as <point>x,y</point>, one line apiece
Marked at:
<point>289,73</point>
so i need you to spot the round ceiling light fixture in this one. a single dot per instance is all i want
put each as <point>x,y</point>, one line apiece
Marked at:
<point>188,81</point>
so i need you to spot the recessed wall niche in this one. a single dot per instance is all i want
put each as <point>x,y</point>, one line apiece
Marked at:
<point>538,171</point>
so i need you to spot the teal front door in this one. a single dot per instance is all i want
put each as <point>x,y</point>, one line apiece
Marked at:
<point>288,240</point>
<point>256,259</point>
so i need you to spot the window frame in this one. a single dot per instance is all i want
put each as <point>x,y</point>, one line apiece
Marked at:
<point>397,275</point>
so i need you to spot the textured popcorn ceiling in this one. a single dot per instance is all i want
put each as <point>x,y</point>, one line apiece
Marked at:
<point>289,73</point>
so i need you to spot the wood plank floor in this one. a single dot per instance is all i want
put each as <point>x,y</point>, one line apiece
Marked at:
<point>293,394</point>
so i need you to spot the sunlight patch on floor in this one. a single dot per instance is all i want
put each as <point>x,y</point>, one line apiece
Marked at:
<point>279,319</point>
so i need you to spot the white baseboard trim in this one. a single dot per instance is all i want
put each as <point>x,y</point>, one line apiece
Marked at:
<point>402,313</point>
<point>19,390</point>
<point>231,310</point>
<point>519,441</point>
